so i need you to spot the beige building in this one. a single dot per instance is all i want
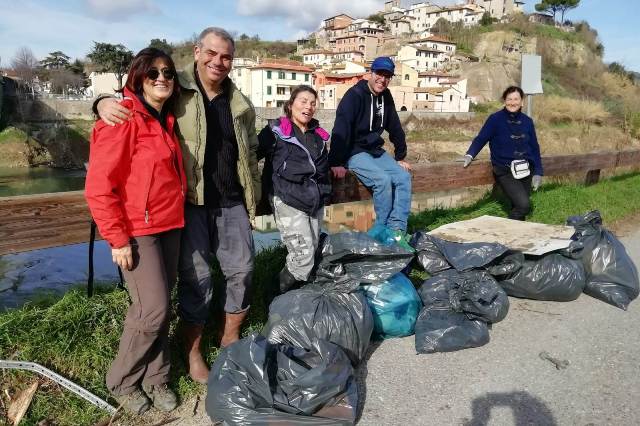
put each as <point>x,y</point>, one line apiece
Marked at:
<point>366,43</point>
<point>330,95</point>
<point>104,83</point>
<point>317,57</point>
<point>435,99</point>
<point>332,28</point>
<point>401,26</point>
<point>405,75</point>
<point>271,83</point>
<point>437,43</point>
<point>436,79</point>
<point>352,56</point>
<point>499,8</point>
<point>421,58</point>
<point>241,74</point>
<point>446,95</point>
<point>426,15</point>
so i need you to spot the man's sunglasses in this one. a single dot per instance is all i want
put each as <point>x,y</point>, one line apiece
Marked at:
<point>153,74</point>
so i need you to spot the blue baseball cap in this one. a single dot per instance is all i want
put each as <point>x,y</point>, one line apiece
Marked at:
<point>383,63</point>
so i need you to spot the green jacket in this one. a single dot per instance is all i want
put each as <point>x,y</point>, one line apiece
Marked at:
<point>192,132</point>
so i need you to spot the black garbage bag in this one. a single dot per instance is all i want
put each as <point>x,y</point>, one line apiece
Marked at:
<point>457,308</point>
<point>429,255</point>
<point>611,274</point>
<point>474,293</point>
<point>552,277</point>
<point>349,259</point>
<point>436,255</point>
<point>254,382</point>
<point>299,317</point>
<point>444,330</point>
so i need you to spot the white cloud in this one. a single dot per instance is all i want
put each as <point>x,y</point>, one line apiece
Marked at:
<point>120,10</point>
<point>306,15</point>
<point>69,31</point>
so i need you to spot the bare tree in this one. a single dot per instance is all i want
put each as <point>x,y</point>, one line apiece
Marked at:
<point>25,65</point>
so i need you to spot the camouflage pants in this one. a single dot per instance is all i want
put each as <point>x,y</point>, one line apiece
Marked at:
<point>300,233</point>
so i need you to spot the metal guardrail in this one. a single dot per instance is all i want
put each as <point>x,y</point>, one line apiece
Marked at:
<point>66,383</point>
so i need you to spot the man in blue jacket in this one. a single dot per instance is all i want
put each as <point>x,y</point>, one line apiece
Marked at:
<point>365,111</point>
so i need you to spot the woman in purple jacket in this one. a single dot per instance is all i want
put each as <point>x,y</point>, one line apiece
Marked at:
<point>515,153</point>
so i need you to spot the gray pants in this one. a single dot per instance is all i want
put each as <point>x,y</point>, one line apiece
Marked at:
<point>300,233</point>
<point>143,354</point>
<point>226,234</point>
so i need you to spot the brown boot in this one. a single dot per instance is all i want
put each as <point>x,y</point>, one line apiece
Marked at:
<point>198,370</point>
<point>232,324</point>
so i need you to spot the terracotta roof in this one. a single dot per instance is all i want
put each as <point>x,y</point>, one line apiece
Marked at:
<point>426,49</point>
<point>436,39</point>
<point>343,76</point>
<point>287,67</point>
<point>342,14</point>
<point>459,7</point>
<point>430,90</point>
<point>318,51</point>
<point>350,51</point>
<point>435,74</point>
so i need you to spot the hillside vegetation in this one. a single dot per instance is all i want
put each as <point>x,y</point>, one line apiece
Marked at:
<point>246,47</point>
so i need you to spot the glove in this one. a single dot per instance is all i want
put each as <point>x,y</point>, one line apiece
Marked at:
<point>536,181</point>
<point>467,159</point>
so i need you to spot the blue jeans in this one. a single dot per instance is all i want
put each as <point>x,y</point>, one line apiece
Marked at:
<point>391,186</point>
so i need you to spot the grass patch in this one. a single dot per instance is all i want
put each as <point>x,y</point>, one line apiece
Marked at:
<point>616,198</point>
<point>12,134</point>
<point>78,337</point>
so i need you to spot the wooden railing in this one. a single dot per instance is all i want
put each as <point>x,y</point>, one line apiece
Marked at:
<point>30,222</point>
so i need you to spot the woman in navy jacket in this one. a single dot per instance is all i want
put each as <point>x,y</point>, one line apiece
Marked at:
<point>296,176</point>
<point>515,153</point>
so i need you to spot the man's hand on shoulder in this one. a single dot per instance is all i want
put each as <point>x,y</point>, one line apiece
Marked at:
<point>404,165</point>
<point>111,112</point>
<point>339,172</point>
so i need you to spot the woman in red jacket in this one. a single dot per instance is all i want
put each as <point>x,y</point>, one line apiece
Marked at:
<point>135,191</point>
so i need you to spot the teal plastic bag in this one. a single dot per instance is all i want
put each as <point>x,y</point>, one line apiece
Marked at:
<point>395,305</point>
<point>382,234</point>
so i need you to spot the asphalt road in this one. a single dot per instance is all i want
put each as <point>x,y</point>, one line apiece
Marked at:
<point>506,382</point>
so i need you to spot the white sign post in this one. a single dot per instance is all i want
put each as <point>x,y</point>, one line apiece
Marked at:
<point>531,82</point>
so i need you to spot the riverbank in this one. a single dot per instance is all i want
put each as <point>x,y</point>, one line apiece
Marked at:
<point>77,337</point>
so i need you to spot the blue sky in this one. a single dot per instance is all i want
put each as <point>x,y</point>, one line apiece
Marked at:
<point>73,25</point>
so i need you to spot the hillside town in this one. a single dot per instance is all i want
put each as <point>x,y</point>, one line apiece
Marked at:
<point>339,53</point>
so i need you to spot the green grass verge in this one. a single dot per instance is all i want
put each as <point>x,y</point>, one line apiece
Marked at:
<point>12,134</point>
<point>616,198</point>
<point>78,337</point>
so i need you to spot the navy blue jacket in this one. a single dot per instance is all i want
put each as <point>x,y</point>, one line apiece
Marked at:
<point>357,129</point>
<point>296,171</point>
<point>511,136</point>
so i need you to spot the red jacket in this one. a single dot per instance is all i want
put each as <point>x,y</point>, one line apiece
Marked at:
<point>135,184</point>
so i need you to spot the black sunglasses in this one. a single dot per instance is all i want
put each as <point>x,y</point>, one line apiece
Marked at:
<point>153,74</point>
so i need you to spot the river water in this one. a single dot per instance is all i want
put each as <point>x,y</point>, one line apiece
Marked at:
<point>29,275</point>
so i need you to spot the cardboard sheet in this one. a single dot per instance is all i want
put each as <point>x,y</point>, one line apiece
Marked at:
<point>527,237</point>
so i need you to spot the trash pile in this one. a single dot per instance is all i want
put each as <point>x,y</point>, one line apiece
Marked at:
<point>300,368</point>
